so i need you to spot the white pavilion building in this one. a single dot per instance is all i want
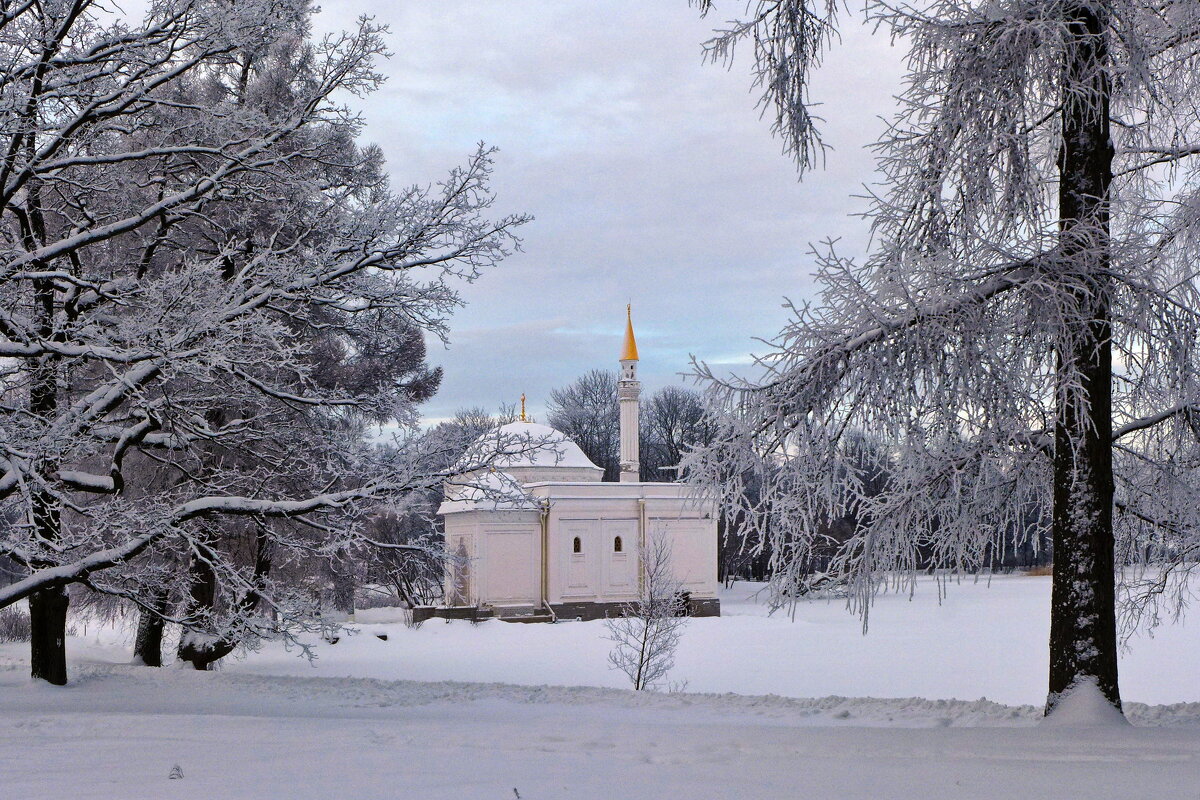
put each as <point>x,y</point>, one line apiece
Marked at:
<point>538,536</point>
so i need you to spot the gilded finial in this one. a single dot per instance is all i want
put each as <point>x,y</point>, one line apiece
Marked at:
<point>523,407</point>
<point>629,351</point>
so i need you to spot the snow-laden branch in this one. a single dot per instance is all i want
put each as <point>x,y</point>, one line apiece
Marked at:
<point>171,523</point>
<point>211,295</point>
<point>816,370</point>
<point>169,526</point>
<point>789,39</point>
<point>1150,420</point>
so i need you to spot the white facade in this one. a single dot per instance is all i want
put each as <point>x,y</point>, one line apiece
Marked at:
<point>576,546</point>
<point>540,533</point>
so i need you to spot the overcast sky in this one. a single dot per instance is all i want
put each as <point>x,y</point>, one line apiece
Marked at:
<point>651,176</point>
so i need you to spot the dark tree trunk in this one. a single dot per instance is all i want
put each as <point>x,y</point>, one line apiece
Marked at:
<point>48,626</point>
<point>1083,641</point>
<point>47,608</point>
<point>344,582</point>
<point>202,651</point>
<point>147,644</point>
<point>199,650</point>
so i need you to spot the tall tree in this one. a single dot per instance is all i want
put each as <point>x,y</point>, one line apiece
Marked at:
<point>1024,332</point>
<point>586,412</point>
<point>177,199</point>
<point>675,421</point>
<point>672,421</point>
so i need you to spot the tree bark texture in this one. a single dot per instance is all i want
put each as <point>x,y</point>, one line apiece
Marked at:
<point>48,627</point>
<point>1083,641</point>
<point>48,607</point>
<point>147,644</point>
<point>201,652</point>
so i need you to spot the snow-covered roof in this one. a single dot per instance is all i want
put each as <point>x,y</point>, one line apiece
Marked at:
<point>488,490</point>
<point>495,467</point>
<point>528,444</point>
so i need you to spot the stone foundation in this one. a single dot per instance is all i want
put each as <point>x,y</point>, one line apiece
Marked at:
<point>697,607</point>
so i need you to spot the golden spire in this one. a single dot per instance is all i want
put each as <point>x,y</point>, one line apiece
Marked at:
<point>629,352</point>
<point>523,407</point>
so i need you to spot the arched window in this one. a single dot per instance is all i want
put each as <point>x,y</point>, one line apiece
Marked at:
<point>617,545</point>
<point>576,546</point>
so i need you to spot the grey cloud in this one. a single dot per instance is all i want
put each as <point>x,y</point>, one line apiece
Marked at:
<point>651,176</point>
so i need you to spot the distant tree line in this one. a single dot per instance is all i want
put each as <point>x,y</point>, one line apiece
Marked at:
<point>670,421</point>
<point>674,420</point>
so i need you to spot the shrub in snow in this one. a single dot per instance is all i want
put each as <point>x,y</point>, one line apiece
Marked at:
<point>14,624</point>
<point>646,636</point>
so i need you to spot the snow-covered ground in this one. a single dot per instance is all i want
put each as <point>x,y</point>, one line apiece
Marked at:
<point>374,718</point>
<point>980,641</point>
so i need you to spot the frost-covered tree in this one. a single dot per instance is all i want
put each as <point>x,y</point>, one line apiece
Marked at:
<point>412,563</point>
<point>1023,334</point>
<point>188,224</point>
<point>586,412</point>
<point>672,420</point>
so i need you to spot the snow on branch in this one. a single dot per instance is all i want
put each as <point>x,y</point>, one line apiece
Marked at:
<point>789,38</point>
<point>211,293</point>
<point>919,412</point>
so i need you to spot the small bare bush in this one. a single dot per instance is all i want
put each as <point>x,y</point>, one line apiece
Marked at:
<point>645,638</point>
<point>14,625</point>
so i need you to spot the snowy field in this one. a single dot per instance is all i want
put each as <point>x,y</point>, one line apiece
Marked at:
<point>454,710</point>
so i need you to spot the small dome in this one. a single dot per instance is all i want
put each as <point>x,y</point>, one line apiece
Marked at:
<point>504,460</point>
<point>528,444</point>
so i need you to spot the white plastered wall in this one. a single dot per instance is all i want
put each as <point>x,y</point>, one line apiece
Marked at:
<point>598,515</point>
<point>497,554</point>
<point>495,558</point>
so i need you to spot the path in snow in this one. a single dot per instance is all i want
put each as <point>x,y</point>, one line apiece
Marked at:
<point>273,726</point>
<point>117,732</point>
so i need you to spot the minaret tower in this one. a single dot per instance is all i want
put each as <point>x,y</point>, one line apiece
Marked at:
<point>628,390</point>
